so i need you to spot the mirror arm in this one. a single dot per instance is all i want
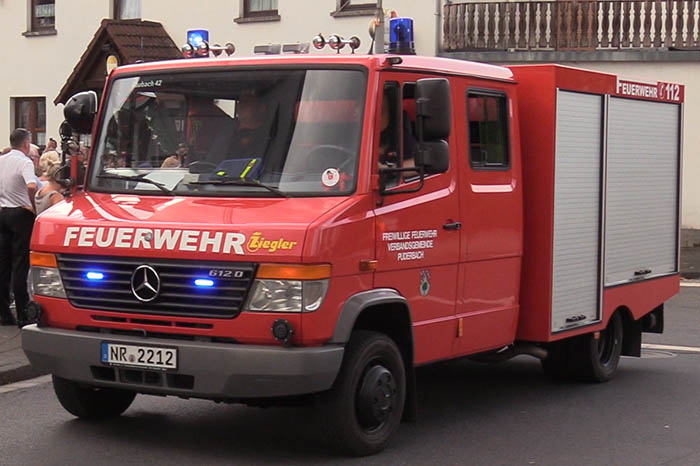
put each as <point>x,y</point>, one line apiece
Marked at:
<point>385,171</point>
<point>74,173</point>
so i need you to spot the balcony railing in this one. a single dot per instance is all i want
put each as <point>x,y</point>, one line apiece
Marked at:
<point>572,25</point>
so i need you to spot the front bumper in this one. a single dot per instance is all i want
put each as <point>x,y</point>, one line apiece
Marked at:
<point>211,370</point>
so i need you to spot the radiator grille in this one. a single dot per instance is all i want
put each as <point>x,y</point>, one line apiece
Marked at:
<point>178,293</point>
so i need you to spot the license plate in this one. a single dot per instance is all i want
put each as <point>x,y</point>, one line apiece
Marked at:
<point>150,357</point>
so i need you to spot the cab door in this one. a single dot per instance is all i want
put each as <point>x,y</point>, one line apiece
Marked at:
<point>490,191</point>
<point>417,235</point>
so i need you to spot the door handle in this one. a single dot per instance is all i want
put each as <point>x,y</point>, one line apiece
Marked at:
<point>452,226</point>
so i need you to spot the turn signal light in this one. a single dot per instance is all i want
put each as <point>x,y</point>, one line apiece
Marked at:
<point>42,259</point>
<point>294,272</point>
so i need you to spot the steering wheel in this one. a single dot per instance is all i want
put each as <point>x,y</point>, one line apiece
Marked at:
<point>330,156</point>
<point>201,166</point>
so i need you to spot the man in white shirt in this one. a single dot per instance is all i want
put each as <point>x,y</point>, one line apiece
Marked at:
<point>18,186</point>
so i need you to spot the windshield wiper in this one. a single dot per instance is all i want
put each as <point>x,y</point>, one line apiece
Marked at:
<point>243,183</point>
<point>138,179</point>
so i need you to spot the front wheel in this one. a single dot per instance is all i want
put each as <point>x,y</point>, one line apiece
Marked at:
<point>365,405</point>
<point>92,403</point>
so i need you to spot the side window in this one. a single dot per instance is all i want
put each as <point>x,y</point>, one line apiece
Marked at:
<point>408,125</point>
<point>389,129</point>
<point>397,142</point>
<point>488,130</point>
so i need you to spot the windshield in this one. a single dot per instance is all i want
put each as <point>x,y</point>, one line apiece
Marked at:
<point>232,133</point>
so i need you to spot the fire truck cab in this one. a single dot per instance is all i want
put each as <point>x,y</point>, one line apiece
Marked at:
<point>304,227</point>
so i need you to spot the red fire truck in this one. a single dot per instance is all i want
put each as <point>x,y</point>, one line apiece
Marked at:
<point>312,228</point>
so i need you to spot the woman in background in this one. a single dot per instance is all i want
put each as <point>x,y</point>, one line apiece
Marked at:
<point>50,194</point>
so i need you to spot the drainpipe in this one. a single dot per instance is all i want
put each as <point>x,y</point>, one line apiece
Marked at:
<point>438,25</point>
<point>379,30</point>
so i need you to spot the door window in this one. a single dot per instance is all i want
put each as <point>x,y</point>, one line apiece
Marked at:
<point>488,130</point>
<point>397,141</point>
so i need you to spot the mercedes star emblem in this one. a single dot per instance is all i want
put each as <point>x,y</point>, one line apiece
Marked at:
<point>145,283</point>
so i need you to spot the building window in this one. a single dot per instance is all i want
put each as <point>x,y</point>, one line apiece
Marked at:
<point>127,9</point>
<point>30,113</point>
<point>488,130</point>
<point>42,17</point>
<point>354,8</point>
<point>260,7</point>
<point>258,10</point>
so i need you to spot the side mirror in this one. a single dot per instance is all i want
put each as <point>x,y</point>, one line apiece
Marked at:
<point>435,157</point>
<point>64,176</point>
<point>433,108</point>
<point>80,111</point>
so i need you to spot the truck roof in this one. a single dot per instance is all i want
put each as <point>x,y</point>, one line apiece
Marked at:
<point>408,63</point>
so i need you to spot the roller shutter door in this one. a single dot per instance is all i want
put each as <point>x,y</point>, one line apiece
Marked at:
<point>641,227</point>
<point>577,210</point>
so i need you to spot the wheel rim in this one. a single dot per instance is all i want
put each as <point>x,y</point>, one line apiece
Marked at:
<point>376,397</point>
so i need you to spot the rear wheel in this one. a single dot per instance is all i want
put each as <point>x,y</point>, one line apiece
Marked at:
<point>600,356</point>
<point>93,403</point>
<point>586,357</point>
<point>365,405</point>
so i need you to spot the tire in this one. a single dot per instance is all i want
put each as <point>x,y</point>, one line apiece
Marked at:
<point>599,357</point>
<point>94,403</point>
<point>363,409</point>
<point>585,357</point>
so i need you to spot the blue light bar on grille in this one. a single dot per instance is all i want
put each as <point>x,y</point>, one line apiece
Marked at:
<point>94,275</point>
<point>204,282</point>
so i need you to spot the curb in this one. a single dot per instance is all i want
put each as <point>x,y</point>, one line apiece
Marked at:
<point>19,374</point>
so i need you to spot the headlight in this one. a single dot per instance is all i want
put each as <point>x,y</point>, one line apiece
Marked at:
<point>289,288</point>
<point>275,296</point>
<point>287,295</point>
<point>44,281</point>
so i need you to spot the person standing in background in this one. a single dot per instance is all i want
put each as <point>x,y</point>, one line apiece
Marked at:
<point>34,156</point>
<point>52,145</point>
<point>50,193</point>
<point>18,186</point>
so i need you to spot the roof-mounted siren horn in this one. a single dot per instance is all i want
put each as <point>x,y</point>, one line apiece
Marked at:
<point>319,41</point>
<point>337,43</point>
<point>401,36</point>
<point>187,51</point>
<point>228,47</point>
<point>202,50</point>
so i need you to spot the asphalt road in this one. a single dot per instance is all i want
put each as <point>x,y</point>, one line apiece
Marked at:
<point>470,414</point>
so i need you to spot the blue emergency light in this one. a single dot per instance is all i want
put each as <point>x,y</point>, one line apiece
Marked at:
<point>401,36</point>
<point>204,283</point>
<point>197,36</point>
<point>94,276</point>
